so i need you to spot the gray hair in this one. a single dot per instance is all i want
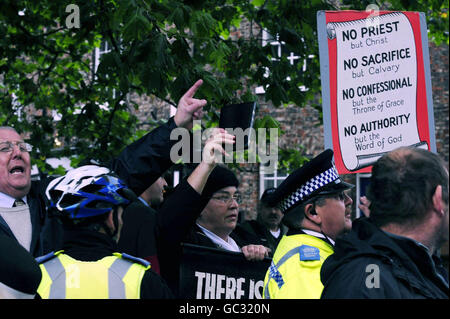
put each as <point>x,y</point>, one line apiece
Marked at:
<point>294,218</point>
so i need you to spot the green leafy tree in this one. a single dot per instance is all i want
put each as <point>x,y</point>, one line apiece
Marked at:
<point>49,88</point>
<point>436,12</point>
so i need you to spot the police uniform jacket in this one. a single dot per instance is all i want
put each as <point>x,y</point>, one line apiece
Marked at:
<point>295,269</point>
<point>91,246</point>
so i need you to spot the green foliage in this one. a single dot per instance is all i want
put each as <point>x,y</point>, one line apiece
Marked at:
<point>291,159</point>
<point>436,11</point>
<point>49,89</point>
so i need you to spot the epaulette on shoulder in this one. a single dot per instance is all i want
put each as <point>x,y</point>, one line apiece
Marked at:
<point>51,255</point>
<point>138,260</point>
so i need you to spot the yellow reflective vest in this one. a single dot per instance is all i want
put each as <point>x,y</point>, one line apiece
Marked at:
<point>113,277</point>
<point>295,269</point>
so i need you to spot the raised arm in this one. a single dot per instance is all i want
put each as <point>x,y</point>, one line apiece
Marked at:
<point>179,212</point>
<point>144,161</point>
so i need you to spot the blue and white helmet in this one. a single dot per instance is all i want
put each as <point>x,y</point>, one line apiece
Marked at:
<point>87,191</point>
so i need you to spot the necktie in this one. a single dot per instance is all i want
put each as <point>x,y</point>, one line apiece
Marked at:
<point>18,202</point>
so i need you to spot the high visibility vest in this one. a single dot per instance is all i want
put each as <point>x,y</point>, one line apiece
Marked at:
<point>295,269</point>
<point>113,277</point>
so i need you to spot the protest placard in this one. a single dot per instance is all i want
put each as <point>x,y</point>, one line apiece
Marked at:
<point>209,273</point>
<point>376,85</point>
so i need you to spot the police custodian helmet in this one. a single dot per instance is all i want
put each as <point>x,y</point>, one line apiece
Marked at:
<point>317,177</point>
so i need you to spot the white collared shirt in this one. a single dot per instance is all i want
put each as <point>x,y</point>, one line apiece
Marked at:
<point>227,245</point>
<point>8,201</point>
<point>276,233</point>
<point>317,234</point>
<point>143,201</point>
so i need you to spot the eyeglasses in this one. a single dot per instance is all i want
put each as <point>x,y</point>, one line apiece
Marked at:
<point>228,199</point>
<point>6,147</point>
<point>339,196</point>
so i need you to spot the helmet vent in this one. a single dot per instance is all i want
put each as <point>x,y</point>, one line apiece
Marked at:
<point>69,200</point>
<point>92,188</point>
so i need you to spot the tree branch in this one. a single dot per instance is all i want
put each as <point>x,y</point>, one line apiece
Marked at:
<point>105,138</point>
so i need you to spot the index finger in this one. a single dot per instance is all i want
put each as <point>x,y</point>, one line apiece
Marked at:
<point>190,93</point>
<point>364,200</point>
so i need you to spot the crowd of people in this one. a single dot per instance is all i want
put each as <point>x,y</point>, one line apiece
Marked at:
<point>109,231</point>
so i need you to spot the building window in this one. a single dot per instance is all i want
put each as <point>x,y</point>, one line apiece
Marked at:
<point>105,48</point>
<point>279,50</point>
<point>269,178</point>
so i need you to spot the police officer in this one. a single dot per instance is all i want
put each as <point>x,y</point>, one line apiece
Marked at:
<point>316,210</point>
<point>90,200</point>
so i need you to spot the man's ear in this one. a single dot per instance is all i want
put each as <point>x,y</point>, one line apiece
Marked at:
<point>438,203</point>
<point>109,221</point>
<point>311,214</point>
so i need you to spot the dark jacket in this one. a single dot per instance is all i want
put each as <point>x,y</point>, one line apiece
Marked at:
<point>46,230</point>
<point>263,234</point>
<point>18,269</point>
<point>86,245</point>
<point>175,220</point>
<point>370,263</point>
<point>138,235</point>
<point>141,163</point>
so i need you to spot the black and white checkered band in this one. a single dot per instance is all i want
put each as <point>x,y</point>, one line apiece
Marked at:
<point>309,187</point>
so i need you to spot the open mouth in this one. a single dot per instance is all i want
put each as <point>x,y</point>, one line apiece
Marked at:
<point>17,170</point>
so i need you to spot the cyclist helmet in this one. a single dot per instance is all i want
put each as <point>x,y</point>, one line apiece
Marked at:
<point>87,191</point>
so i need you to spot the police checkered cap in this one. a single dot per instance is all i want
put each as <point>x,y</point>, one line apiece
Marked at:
<point>316,176</point>
<point>318,181</point>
